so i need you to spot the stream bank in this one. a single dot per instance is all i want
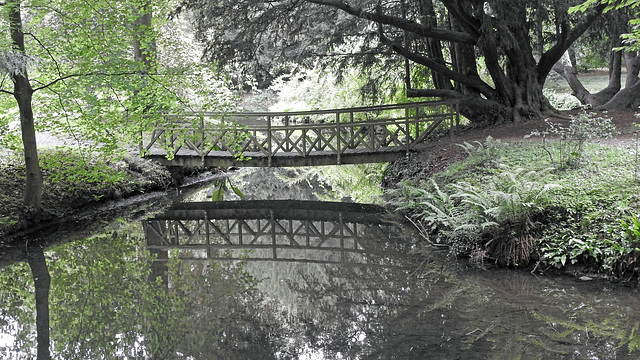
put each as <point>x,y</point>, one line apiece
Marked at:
<point>564,202</point>
<point>103,183</point>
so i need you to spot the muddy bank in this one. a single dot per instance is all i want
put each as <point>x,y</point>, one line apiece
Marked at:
<point>65,199</point>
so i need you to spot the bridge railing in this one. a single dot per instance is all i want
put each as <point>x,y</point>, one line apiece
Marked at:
<point>285,230</point>
<point>302,133</point>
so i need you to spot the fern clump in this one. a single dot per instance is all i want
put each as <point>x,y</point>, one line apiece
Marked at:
<point>492,219</point>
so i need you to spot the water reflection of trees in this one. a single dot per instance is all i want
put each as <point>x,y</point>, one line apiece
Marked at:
<point>103,305</point>
<point>347,313</point>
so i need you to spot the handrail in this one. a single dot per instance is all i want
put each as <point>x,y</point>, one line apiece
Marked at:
<point>326,111</point>
<point>283,132</point>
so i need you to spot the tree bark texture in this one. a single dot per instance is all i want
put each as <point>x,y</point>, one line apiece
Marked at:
<point>23,93</point>
<point>612,96</point>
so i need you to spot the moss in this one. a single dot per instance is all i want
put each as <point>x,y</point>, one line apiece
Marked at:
<point>69,186</point>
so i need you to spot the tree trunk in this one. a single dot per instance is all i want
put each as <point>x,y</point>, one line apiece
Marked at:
<point>434,47</point>
<point>42,281</point>
<point>627,98</point>
<point>23,93</point>
<point>144,51</point>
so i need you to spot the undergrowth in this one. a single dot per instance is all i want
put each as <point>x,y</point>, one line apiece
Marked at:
<point>513,204</point>
<point>71,180</point>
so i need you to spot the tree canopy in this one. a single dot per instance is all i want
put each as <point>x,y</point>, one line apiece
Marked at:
<point>494,56</point>
<point>96,72</point>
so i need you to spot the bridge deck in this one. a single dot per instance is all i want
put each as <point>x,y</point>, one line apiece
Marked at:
<point>224,159</point>
<point>307,138</point>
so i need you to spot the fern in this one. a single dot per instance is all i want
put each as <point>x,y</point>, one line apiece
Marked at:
<point>472,217</point>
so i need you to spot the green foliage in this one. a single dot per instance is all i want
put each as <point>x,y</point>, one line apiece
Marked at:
<point>629,40</point>
<point>636,151</point>
<point>494,217</point>
<point>568,151</point>
<point>631,228</point>
<point>586,227</point>
<point>223,185</point>
<point>89,87</point>
<point>76,167</point>
<point>584,218</point>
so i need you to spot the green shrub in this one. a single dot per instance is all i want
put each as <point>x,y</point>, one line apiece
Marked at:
<point>494,218</point>
<point>561,101</point>
<point>569,150</point>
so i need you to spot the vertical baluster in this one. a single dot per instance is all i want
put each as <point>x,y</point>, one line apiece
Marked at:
<point>304,140</point>
<point>417,122</point>
<point>287,139</point>
<point>269,140</point>
<point>351,131</point>
<point>338,147</point>
<point>407,129</point>
<point>202,139</point>
<point>273,235</point>
<point>372,136</point>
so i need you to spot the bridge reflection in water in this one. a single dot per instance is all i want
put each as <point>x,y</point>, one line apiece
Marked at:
<point>274,230</point>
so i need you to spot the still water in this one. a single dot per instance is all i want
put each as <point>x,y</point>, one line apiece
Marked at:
<point>281,275</point>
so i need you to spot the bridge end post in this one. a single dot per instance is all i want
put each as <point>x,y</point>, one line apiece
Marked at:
<point>455,119</point>
<point>338,138</point>
<point>269,139</point>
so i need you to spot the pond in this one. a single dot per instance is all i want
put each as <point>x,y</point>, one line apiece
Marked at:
<point>282,275</point>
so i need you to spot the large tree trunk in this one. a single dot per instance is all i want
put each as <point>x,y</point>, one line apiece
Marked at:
<point>23,93</point>
<point>610,97</point>
<point>42,281</point>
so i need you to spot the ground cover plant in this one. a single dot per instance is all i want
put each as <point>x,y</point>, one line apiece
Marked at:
<point>73,179</point>
<point>513,204</point>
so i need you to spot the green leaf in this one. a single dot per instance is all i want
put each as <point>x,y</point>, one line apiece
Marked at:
<point>237,191</point>
<point>218,194</point>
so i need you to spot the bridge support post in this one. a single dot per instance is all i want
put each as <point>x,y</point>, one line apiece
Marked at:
<point>407,131</point>
<point>455,118</point>
<point>338,138</point>
<point>269,137</point>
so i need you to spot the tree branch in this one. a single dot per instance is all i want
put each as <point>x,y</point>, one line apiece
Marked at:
<point>403,24</point>
<point>471,81</point>
<point>62,78</point>
<point>568,37</point>
<point>48,52</point>
<point>443,93</point>
<point>466,20</point>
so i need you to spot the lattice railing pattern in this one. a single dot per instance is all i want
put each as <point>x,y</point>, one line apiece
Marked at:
<point>270,239</point>
<point>338,131</point>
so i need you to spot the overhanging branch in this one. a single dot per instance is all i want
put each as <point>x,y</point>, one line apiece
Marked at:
<point>97,73</point>
<point>443,93</point>
<point>400,23</point>
<point>473,82</point>
<point>567,37</point>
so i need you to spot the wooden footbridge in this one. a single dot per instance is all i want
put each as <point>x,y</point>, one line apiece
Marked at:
<point>284,231</point>
<point>306,138</point>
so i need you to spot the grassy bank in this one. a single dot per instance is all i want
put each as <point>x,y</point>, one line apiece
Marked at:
<point>73,180</point>
<point>541,204</point>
